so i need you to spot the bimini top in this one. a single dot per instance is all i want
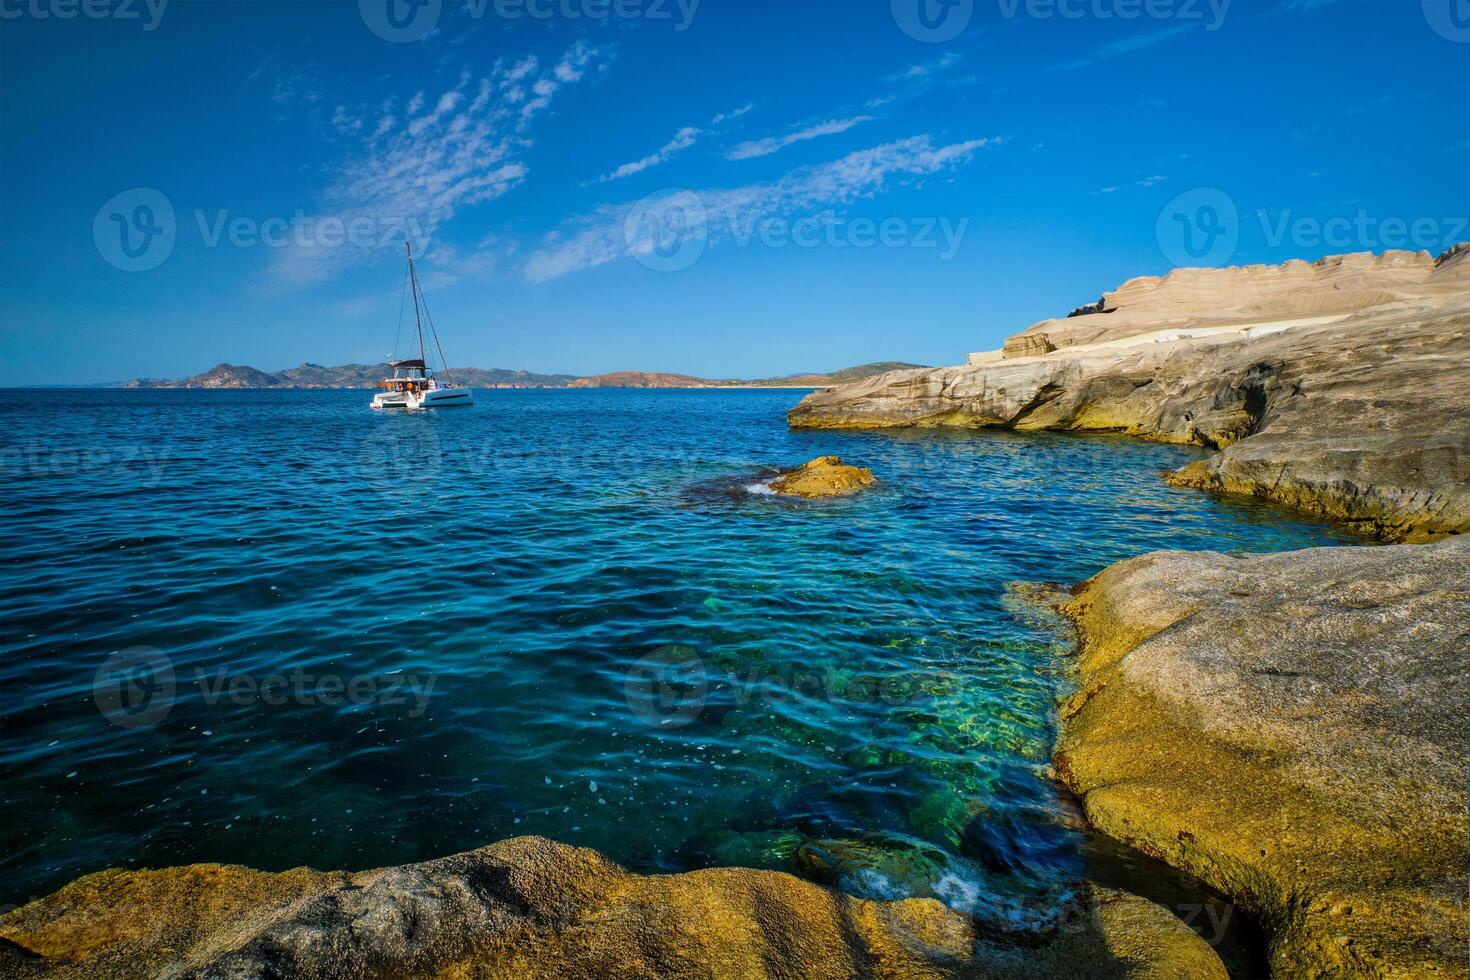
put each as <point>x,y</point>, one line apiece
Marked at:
<point>416,364</point>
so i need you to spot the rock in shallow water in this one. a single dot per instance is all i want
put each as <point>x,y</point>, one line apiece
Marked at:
<point>825,476</point>
<point>533,908</point>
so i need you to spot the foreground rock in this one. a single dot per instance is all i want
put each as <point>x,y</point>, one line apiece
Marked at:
<point>1335,387</point>
<point>533,908</point>
<point>825,476</point>
<point>1291,729</point>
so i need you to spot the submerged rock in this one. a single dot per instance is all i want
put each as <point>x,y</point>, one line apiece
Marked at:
<point>530,907</point>
<point>825,476</point>
<point>1291,729</point>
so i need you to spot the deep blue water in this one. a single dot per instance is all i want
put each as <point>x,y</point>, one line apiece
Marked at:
<point>560,612</point>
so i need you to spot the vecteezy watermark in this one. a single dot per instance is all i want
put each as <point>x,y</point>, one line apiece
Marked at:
<point>38,458</point>
<point>670,686</point>
<point>400,458</point>
<point>149,12</point>
<point>1203,227</point>
<point>667,687</point>
<point>135,230</point>
<point>137,688</point>
<point>1363,231</point>
<point>932,21</point>
<point>939,21</point>
<point>402,21</point>
<point>1450,19</point>
<point>1199,228</point>
<point>301,230</point>
<point>1211,13</point>
<point>669,231</point>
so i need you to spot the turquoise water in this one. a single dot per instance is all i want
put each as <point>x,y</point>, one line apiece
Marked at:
<point>274,628</point>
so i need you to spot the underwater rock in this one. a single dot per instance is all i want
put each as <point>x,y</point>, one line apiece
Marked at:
<point>825,476</point>
<point>530,907</point>
<point>1289,728</point>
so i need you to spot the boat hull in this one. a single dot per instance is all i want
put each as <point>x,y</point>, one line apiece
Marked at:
<point>439,398</point>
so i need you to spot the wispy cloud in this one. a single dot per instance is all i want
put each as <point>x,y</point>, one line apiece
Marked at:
<point>1151,181</point>
<point>1127,45</point>
<point>683,140</point>
<point>926,68</point>
<point>765,147</point>
<point>725,117</point>
<point>603,237</point>
<point>921,78</point>
<point>414,169</point>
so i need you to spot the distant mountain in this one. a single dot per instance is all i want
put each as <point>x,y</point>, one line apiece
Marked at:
<point>348,376</point>
<point>642,379</point>
<point>652,379</point>
<point>370,375</point>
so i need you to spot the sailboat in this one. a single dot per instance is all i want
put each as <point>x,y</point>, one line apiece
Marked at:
<point>413,384</point>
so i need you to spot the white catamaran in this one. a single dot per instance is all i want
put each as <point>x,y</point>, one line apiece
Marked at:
<point>413,384</point>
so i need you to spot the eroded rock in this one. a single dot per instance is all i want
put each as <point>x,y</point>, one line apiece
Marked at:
<point>1291,729</point>
<point>530,907</point>
<point>1336,388</point>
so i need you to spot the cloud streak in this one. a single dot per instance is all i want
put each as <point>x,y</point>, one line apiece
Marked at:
<point>602,236</point>
<point>683,140</point>
<point>416,168</point>
<point>765,147</point>
<point>1125,46</point>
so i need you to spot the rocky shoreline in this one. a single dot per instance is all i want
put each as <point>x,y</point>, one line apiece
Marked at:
<point>1288,728</point>
<point>1336,388</point>
<point>530,907</point>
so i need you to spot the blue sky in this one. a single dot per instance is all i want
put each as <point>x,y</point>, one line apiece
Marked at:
<point>828,184</point>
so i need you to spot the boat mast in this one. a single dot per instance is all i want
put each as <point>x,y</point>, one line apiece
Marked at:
<point>418,323</point>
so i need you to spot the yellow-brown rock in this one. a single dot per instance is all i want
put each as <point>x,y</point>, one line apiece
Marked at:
<point>530,907</point>
<point>825,476</point>
<point>1291,729</point>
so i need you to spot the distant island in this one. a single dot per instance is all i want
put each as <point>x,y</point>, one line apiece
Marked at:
<point>371,375</point>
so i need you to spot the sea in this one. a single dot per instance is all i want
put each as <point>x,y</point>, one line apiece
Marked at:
<point>275,628</point>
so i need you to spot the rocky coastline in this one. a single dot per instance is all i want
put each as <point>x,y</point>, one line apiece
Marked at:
<point>1287,728</point>
<point>530,907</point>
<point>1334,388</point>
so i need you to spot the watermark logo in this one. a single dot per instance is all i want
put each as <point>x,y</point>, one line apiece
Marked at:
<point>1450,19</point>
<point>135,688</point>
<point>933,21</point>
<point>1199,228</point>
<point>1363,231</point>
<point>1211,13</point>
<point>401,458</point>
<point>667,688</point>
<point>401,21</point>
<point>150,12</point>
<point>667,231</point>
<point>136,230</point>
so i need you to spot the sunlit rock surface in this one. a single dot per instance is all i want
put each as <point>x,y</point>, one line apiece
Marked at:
<point>825,476</point>
<point>1291,729</point>
<point>530,907</point>
<point>1337,388</point>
